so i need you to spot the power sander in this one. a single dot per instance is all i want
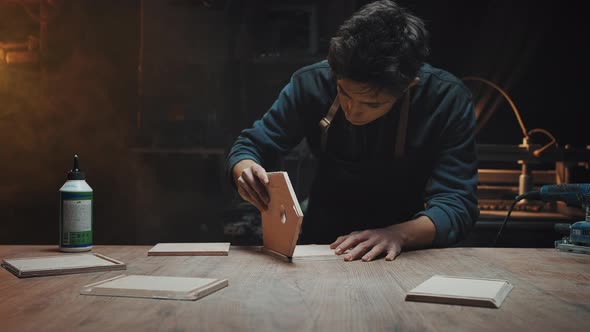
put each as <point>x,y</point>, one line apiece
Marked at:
<point>575,194</point>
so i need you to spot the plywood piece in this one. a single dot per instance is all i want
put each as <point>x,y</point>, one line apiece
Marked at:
<point>155,287</point>
<point>314,252</point>
<point>462,291</point>
<point>190,249</point>
<point>61,264</point>
<point>281,222</point>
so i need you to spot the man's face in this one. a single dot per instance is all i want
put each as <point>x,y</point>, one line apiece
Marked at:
<point>363,103</point>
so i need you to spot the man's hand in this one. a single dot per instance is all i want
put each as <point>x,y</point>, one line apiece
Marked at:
<point>251,180</point>
<point>372,243</point>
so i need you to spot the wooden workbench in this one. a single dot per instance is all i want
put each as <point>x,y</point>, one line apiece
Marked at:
<point>551,293</point>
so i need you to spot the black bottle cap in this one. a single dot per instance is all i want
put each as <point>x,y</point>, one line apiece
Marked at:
<point>76,173</point>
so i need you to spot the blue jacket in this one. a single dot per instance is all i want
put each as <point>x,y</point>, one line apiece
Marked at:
<point>441,121</point>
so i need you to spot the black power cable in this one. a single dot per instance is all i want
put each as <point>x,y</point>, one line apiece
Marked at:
<point>531,194</point>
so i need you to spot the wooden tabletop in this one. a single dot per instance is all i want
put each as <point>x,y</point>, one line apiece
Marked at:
<point>551,293</point>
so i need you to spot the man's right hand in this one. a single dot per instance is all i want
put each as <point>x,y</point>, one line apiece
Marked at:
<point>251,180</point>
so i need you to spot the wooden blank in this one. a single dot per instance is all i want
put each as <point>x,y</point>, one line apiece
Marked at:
<point>190,249</point>
<point>314,252</point>
<point>462,291</point>
<point>155,287</point>
<point>281,222</point>
<point>307,252</point>
<point>62,264</point>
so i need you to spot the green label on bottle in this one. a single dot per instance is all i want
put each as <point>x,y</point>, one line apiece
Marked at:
<point>77,238</point>
<point>76,219</point>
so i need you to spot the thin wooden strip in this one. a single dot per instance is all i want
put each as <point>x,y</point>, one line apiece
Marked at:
<point>190,249</point>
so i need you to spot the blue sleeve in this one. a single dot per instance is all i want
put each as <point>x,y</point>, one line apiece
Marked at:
<point>275,134</point>
<point>450,194</point>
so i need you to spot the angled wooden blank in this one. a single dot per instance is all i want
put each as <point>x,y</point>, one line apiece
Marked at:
<point>190,249</point>
<point>462,291</point>
<point>61,264</point>
<point>155,287</point>
<point>281,222</point>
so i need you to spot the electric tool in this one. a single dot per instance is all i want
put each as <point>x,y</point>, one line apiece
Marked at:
<point>575,194</point>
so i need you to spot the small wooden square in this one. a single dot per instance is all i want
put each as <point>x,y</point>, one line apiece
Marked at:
<point>462,291</point>
<point>190,249</point>
<point>61,264</point>
<point>155,287</point>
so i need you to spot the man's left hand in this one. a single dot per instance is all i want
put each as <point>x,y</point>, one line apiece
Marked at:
<point>370,244</point>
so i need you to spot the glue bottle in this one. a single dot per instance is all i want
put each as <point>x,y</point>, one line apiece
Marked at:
<point>75,212</point>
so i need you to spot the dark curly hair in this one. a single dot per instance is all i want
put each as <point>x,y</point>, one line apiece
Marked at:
<point>382,44</point>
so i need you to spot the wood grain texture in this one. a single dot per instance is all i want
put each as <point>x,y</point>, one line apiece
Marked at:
<point>190,249</point>
<point>281,222</point>
<point>275,254</point>
<point>551,293</point>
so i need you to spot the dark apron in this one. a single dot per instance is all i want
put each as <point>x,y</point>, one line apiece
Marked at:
<point>354,196</point>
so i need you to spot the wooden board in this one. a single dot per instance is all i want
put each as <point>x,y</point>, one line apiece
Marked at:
<point>307,252</point>
<point>281,222</point>
<point>190,249</point>
<point>61,264</point>
<point>155,287</point>
<point>314,252</point>
<point>463,291</point>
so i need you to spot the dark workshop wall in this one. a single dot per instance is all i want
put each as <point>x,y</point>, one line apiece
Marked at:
<point>532,49</point>
<point>79,101</point>
<point>153,144</point>
<point>209,70</point>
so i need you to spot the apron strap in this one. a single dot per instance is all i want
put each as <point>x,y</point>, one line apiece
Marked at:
<point>402,127</point>
<point>400,141</point>
<point>326,121</point>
